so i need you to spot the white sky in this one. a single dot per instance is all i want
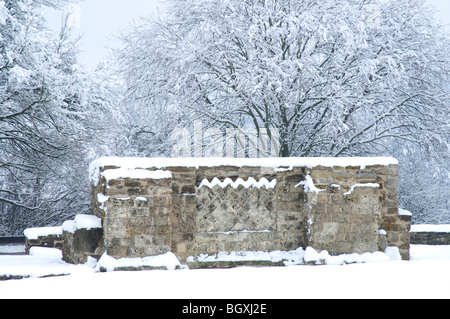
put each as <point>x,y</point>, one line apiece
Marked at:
<point>100,21</point>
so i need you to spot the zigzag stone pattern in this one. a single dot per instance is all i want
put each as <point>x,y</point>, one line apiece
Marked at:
<point>251,182</point>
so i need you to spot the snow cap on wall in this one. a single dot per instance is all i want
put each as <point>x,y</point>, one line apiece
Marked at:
<point>126,165</point>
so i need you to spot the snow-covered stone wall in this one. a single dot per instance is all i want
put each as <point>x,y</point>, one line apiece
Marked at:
<point>199,207</point>
<point>430,235</point>
<point>50,237</point>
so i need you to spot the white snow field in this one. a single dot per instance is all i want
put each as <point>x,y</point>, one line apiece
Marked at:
<point>427,275</point>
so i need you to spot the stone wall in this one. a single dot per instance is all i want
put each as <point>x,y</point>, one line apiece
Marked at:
<point>430,234</point>
<point>195,207</point>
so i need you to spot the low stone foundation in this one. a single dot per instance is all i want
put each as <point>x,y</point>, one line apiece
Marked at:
<point>49,237</point>
<point>78,239</point>
<point>200,207</point>
<point>430,234</point>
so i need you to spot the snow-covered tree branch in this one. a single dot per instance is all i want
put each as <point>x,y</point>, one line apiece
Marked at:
<point>332,76</point>
<point>50,113</point>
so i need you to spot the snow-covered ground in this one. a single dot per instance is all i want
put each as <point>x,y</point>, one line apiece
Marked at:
<point>427,275</point>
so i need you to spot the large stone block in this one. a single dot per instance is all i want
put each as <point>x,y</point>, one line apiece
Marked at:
<point>83,237</point>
